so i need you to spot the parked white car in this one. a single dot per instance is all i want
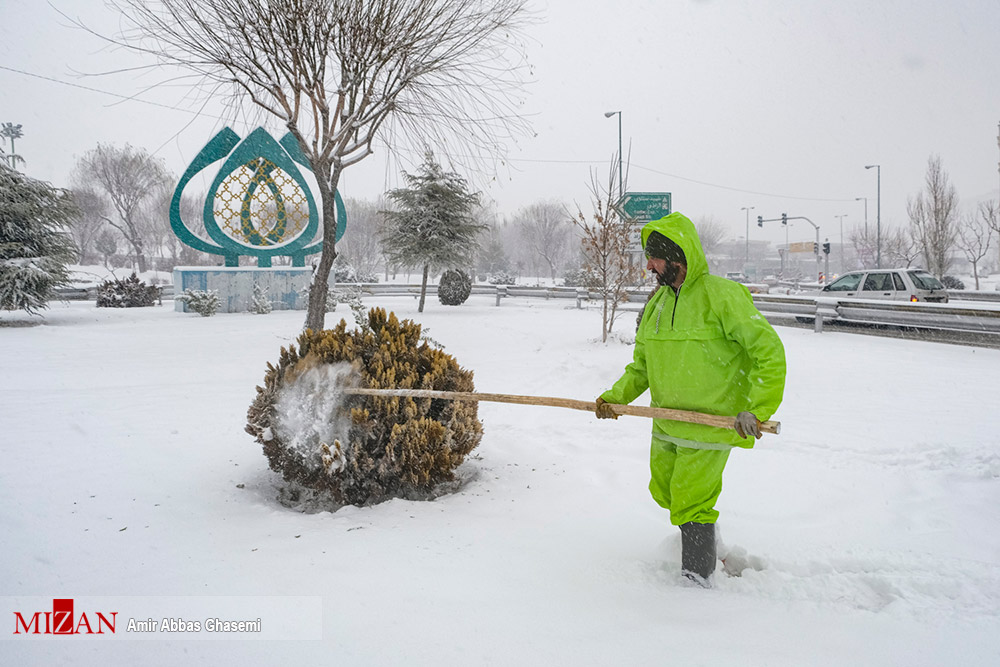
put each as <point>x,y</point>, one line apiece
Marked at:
<point>888,284</point>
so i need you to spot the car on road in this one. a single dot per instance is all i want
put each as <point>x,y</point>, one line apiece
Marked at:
<point>888,284</point>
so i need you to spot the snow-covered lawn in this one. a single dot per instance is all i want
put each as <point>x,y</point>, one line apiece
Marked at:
<point>876,512</point>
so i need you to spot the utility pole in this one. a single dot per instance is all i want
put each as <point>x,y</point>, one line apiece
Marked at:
<point>747,260</point>
<point>609,114</point>
<point>841,218</point>
<point>878,238</point>
<point>866,210</point>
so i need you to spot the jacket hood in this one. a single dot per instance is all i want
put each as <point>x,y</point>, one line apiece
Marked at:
<point>681,231</point>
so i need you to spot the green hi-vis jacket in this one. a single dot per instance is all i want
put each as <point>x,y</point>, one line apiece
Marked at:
<point>704,348</point>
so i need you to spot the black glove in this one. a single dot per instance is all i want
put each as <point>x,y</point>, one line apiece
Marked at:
<point>747,424</point>
<point>604,411</point>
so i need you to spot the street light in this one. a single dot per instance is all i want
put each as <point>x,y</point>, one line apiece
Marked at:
<point>609,114</point>
<point>841,217</point>
<point>878,242</point>
<point>866,212</point>
<point>747,260</point>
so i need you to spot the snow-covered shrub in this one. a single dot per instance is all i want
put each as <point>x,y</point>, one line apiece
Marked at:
<point>951,282</point>
<point>352,298</point>
<point>260,303</point>
<point>331,298</point>
<point>128,293</point>
<point>580,278</point>
<point>344,273</point>
<point>502,278</point>
<point>205,303</point>
<point>454,287</point>
<point>356,449</point>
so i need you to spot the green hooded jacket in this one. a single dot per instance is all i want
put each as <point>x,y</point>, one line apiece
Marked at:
<point>704,348</point>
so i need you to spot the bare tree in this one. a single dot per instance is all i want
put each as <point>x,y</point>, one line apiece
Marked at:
<point>711,232</point>
<point>361,245</point>
<point>993,220</point>
<point>86,226</point>
<point>864,245</point>
<point>605,248</point>
<point>974,235</point>
<point>546,228</point>
<point>339,73</point>
<point>934,218</point>
<point>899,247</point>
<point>128,179</point>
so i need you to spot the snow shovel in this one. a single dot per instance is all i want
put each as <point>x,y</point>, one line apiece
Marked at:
<point>719,421</point>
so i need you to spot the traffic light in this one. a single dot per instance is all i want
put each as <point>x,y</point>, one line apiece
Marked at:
<point>815,248</point>
<point>784,218</point>
<point>826,247</point>
<point>760,221</point>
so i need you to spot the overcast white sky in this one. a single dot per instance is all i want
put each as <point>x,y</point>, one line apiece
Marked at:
<point>776,104</point>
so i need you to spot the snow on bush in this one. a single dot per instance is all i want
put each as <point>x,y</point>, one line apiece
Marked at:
<point>205,303</point>
<point>128,293</point>
<point>502,278</point>
<point>454,287</point>
<point>361,450</point>
<point>260,303</point>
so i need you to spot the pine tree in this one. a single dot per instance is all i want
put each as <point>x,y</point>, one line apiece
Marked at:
<point>35,246</point>
<point>432,225</point>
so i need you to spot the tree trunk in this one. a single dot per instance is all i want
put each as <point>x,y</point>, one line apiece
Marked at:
<point>604,319</point>
<point>316,310</point>
<point>423,288</point>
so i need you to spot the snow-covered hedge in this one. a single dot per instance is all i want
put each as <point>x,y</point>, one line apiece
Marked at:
<point>361,450</point>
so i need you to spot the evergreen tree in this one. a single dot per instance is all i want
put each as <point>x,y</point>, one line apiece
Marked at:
<point>432,225</point>
<point>35,246</point>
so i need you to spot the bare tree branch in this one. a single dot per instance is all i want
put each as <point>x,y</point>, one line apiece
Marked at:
<point>341,74</point>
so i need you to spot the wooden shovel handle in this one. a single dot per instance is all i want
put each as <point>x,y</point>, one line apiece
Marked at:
<point>719,421</point>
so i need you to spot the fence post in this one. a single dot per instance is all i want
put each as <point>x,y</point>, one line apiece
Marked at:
<point>501,292</point>
<point>825,309</point>
<point>581,294</point>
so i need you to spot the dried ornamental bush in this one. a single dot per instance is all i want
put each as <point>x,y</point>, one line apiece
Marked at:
<point>454,287</point>
<point>361,450</point>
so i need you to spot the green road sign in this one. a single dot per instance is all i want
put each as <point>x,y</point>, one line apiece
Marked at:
<point>645,206</point>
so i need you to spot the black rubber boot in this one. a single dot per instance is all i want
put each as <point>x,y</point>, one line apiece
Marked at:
<point>698,552</point>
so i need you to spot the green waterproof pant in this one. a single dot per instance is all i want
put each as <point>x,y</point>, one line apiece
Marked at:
<point>686,481</point>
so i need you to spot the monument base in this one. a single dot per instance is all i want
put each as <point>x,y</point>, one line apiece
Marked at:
<point>285,285</point>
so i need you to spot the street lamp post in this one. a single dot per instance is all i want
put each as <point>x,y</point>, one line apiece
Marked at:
<point>841,218</point>
<point>747,260</point>
<point>609,114</point>
<point>866,211</point>
<point>878,242</point>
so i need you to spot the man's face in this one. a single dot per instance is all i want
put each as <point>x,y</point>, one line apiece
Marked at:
<point>666,272</point>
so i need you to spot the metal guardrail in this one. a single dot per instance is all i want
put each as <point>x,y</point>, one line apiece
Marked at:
<point>967,316</point>
<point>973,295</point>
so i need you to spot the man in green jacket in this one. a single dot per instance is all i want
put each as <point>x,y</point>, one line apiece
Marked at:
<point>701,346</point>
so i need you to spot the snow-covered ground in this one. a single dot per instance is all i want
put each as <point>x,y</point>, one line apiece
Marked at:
<point>125,471</point>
